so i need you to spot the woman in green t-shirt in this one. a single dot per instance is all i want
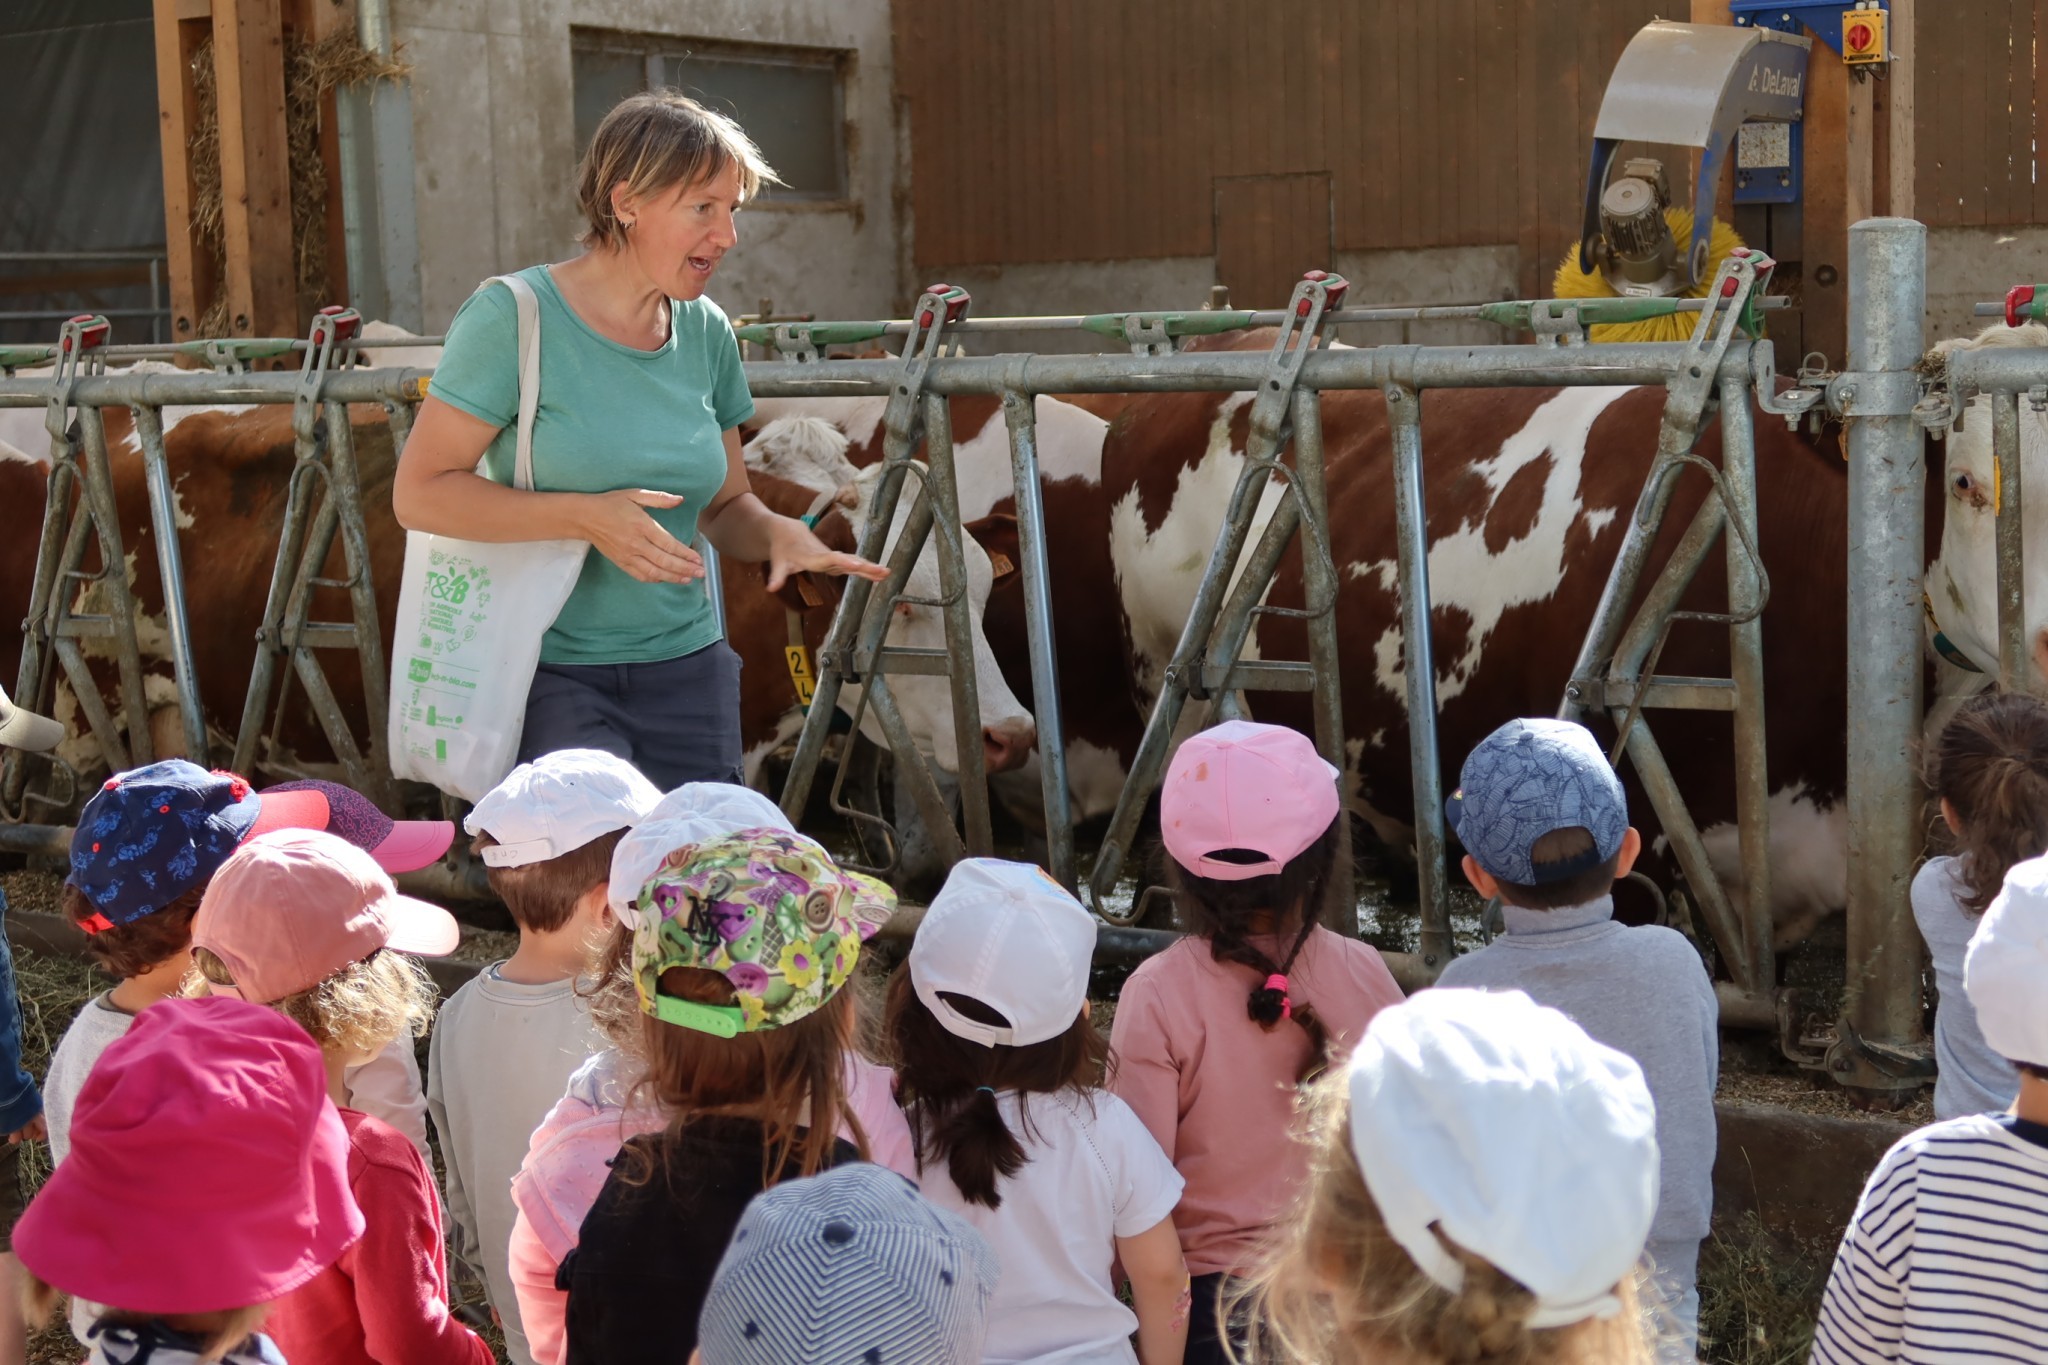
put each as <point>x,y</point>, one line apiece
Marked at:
<point>636,447</point>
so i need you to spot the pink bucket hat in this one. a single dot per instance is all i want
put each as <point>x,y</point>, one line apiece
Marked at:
<point>206,1128</point>
<point>1242,785</point>
<point>397,845</point>
<point>289,909</point>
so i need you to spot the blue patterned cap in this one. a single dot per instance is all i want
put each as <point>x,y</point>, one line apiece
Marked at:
<point>849,1266</point>
<point>151,834</point>
<point>1526,779</point>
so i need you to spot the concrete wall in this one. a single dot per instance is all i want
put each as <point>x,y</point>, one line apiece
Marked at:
<point>495,156</point>
<point>1967,266</point>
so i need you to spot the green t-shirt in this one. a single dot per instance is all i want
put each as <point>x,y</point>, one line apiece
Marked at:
<point>609,417</point>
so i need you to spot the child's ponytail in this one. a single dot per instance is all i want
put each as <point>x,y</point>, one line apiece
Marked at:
<point>1991,766</point>
<point>1223,912</point>
<point>949,1086</point>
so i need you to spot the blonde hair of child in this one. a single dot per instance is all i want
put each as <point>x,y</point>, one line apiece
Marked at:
<point>360,1008</point>
<point>221,1332</point>
<point>1339,1290</point>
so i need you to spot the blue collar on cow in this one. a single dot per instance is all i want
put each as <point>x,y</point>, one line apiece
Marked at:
<point>1944,646</point>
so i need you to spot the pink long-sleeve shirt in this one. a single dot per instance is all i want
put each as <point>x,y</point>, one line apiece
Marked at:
<point>1218,1091</point>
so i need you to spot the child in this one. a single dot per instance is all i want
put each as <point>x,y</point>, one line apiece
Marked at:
<point>569,1155</point>
<point>1545,828</point>
<point>146,845</point>
<point>208,1176</point>
<point>851,1265</point>
<point>1990,770</point>
<point>1944,1258</point>
<point>308,924</point>
<point>997,1068</point>
<point>507,1042</point>
<point>732,990</point>
<point>1213,1035</point>
<point>1483,1176</point>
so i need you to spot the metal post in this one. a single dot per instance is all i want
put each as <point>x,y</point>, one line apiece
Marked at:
<point>1021,416</point>
<point>121,608</point>
<point>149,432</point>
<point>1319,589</point>
<point>2014,665</point>
<point>1887,303</point>
<point>1746,669</point>
<point>949,540</point>
<point>1418,669</point>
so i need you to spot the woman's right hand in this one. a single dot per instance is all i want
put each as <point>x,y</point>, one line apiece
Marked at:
<point>618,526</point>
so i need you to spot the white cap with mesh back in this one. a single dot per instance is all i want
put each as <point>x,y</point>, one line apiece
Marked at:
<point>692,814</point>
<point>26,730</point>
<point>1009,936</point>
<point>558,803</point>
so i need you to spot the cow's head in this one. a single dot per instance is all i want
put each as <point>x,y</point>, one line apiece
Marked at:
<point>1962,583</point>
<point>802,449</point>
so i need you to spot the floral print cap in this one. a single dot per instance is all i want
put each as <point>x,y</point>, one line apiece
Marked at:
<point>767,910</point>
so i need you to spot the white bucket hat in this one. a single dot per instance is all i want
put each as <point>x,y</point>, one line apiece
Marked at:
<point>1010,936</point>
<point>692,814</point>
<point>26,730</point>
<point>558,803</point>
<point>1499,1122</point>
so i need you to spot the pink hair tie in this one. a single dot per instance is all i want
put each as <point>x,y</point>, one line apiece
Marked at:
<point>1277,982</point>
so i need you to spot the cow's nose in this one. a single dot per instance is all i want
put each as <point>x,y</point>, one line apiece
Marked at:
<point>1006,745</point>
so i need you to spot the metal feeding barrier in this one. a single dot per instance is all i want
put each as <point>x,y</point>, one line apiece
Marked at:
<point>1883,401</point>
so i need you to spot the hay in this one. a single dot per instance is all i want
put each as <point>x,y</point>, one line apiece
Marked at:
<point>1759,1295</point>
<point>312,72</point>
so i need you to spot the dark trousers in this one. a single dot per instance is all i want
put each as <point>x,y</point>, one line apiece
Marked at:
<point>676,720</point>
<point>1205,1322</point>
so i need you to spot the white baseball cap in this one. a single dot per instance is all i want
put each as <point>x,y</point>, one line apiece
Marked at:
<point>558,803</point>
<point>1498,1121</point>
<point>2007,965</point>
<point>26,730</point>
<point>692,814</point>
<point>1010,936</point>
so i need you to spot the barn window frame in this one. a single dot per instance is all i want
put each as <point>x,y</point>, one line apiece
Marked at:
<point>663,62</point>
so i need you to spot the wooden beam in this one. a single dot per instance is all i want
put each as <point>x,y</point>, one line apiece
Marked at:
<point>1899,108</point>
<point>1840,159</point>
<point>255,172</point>
<point>193,278</point>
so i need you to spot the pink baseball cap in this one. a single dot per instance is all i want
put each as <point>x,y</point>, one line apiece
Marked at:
<point>207,1125</point>
<point>290,908</point>
<point>397,845</point>
<point>1242,785</point>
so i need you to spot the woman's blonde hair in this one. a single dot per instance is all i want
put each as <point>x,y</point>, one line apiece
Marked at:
<point>223,1332</point>
<point>1339,1290</point>
<point>657,141</point>
<point>360,1008</point>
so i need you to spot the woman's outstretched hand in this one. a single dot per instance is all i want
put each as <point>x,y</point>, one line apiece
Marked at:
<point>618,526</point>
<point>796,549</point>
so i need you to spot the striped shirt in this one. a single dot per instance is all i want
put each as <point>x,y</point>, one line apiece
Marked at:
<point>1946,1258</point>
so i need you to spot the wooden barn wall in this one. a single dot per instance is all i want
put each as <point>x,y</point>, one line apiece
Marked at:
<point>1076,130</point>
<point>1079,130</point>
<point>1981,84</point>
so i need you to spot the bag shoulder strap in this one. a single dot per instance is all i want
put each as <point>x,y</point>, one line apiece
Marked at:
<point>529,373</point>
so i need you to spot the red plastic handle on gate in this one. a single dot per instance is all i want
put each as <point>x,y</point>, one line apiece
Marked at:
<point>90,338</point>
<point>345,322</point>
<point>2017,299</point>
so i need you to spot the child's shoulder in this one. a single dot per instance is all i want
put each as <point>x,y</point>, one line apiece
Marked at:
<point>374,1144</point>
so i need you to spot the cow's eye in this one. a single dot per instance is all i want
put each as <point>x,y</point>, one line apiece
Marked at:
<point>1963,482</point>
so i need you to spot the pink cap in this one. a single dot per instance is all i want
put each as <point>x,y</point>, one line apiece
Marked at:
<point>1242,785</point>
<point>289,909</point>
<point>208,1171</point>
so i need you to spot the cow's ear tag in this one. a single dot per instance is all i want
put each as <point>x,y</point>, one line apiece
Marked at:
<point>999,564</point>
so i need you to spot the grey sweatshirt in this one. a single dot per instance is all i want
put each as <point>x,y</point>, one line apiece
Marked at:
<point>1969,1077</point>
<point>1642,991</point>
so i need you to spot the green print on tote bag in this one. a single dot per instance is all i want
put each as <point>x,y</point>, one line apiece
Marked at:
<point>470,620</point>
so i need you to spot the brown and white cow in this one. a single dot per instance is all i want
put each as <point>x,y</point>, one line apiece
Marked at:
<point>230,472</point>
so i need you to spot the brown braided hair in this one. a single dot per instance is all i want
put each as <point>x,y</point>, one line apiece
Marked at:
<point>1225,912</point>
<point>1339,1290</point>
<point>1991,766</point>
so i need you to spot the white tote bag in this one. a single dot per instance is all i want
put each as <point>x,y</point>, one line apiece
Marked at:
<point>470,620</point>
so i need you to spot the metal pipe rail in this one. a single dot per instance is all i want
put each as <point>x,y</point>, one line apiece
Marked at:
<point>2005,375</point>
<point>195,388</point>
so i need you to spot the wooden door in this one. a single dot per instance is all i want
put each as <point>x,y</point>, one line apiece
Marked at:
<point>1270,230</point>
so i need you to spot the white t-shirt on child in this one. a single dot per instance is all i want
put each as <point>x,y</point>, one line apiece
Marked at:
<point>1093,1174</point>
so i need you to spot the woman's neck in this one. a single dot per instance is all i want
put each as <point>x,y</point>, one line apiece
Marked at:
<point>609,291</point>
